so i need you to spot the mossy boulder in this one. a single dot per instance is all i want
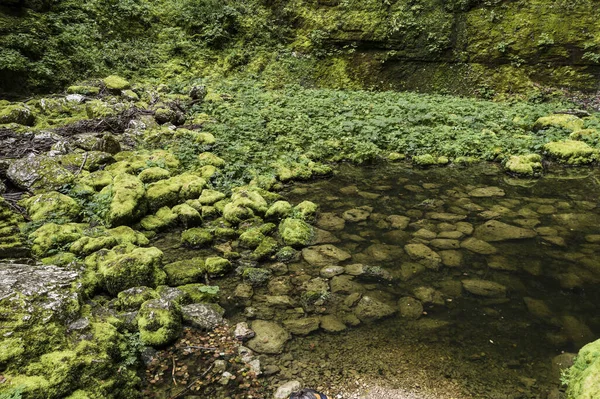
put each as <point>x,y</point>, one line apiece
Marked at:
<point>201,293</point>
<point>159,322</point>
<point>196,237</point>
<point>153,174</point>
<point>131,299</point>
<point>279,210</point>
<point>140,267</point>
<point>251,238</point>
<point>83,90</point>
<point>295,232</point>
<point>116,83</point>
<point>52,236</point>
<point>177,189</point>
<point>209,197</point>
<point>17,113</point>
<point>52,206</point>
<point>97,180</point>
<point>429,160</point>
<point>256,276</point>
<point>163,218</point>
<point>583,378</point>
<point>134,162</point>
<point>208,158</point>
<point>268,246</point>
<point>187,216</point>
<point>563,121</point>
<point>306,210</point>
<point>39,172</point>
<point>572,152</point>
<point>524,165</point>
<point>128,202</point>
<point>217,266</point>
<point>237,211</point>
<point>88,245</point>
<point>185,271</point>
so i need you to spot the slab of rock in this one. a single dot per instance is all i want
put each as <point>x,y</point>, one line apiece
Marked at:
<point>323,237</point>
<point>324,255</point>
<point>370,309</point>
<point>409,270</point>
<point>270,337</point>
<point>478,246</point>
<point>484,288</point>
<point>501,263</point>
<point>538,308</point>
<point>487,192</point>
<point>345,285</point>
<point>331,271</point>
<point>429,295</point>
<point>205,316</point>
<point>495,230</point>
<point>332,324</point>
<point>424,255</point>
<point>303,326</point>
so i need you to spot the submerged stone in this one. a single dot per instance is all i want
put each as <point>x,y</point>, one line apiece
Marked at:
<point>494,230</point>
<point>484,288</point>
<point>270,337</point>
<point>323,255</point>
<point>478,246</point>
<point>302,326</point>
<point>423,254</point>
<point>370,309</point>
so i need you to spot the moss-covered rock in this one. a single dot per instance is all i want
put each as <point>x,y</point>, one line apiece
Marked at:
<point>268,246</point>
<point>256,276</point>
<point>217,266</point>
<point>572,152</point>
<point>139,267</point>
<point>163,218</point>
<point>185,271</point>
<point>153,174</point>
<point>97,180</point>
<point>564,121</point>
<point>128,203</point>
<point>88,245</point>
<point>52,206</point>
<point>209,197</point>
<point>52,236</point>
<point>159,322</point>
<point>208,158</point>
<point>131,299</point>
<point>196,237</point>
<point>177,189</point>
<point>17,113</point>
<point>306,210</point>
<point>83,90</point>
<point>524,165</point>
<point>187,216</point>
<point>237,211</point>
<point>199,293</point>
<point>583,378</point>
<point>116,83</point>
<point>251,238</point>
<point>134,162</point>
<point>279,210</point>
<point>39,172</point>
<point>429,160</point>
<point>296,232</point>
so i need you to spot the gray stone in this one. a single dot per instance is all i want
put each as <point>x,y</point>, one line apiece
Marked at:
<point>484,288</point>
<point>331,271</point>
<point>478,246</point>
<point>370,309</point>
<point>205,316</point>
<point>410,308</point>
<point>494,230</point>
<point>424,255</point>
<point>270,337</point>
<point>284,391</point>
<point>243,332</point>
<point>324,255</point>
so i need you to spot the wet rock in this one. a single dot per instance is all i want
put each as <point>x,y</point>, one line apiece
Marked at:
<point>244,291</point>
<point>302,326</point>
<point>451,235</point>
<point>383,252</point>
<point>331,222</point>
<point>494,230</point>
<point>243,332</point>
<point>332,271</point>
<point>205,316</point>
<point>159,322</point>
<point>487,192</point>
<point>280,285</point>
<point>484,288</point>
<point>345,285</point>
<point>332,324</point>
<point>577,221</point>
<point>324,255</point>
<point>538,308</point>
<point>356,215</point>
<point>369,309</point>
<point>410,270</point>
<point>410,308</point>
<point>280,301</point>
<point>445,243</point>
<point>256,276</point>
<point>451,258</point>
<point>424,234</point>
<point>324,237</point>
<point>424,255</point>
<point>593,238</point>
<point>478,246</point>
<point>285,390</point>
<point>270,337</point>
<point>555,241</point>
<point>445,217</point>
<point>450,288</point>
<point>465,228</point>
<point>561,363</point>
<point>37,172</point>
<point>428,295</point>
<point>296,232</point>
<point>352,299</point>
<point>398,222</point>
<point>577,331</point>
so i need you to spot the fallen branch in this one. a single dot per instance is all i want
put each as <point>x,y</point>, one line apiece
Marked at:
<point>189,387</point>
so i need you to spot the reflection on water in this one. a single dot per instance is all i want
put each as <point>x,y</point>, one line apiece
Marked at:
<point>460,282</point>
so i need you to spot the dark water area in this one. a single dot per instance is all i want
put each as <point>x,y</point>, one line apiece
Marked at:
<point>506,272</point>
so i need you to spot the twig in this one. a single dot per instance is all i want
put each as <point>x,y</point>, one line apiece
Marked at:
<point>173,371</point>
<point>85,157</point>
<point>204,348</point>
<point>189,387</point>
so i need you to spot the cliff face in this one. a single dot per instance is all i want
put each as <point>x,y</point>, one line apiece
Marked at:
<point>458,46</point>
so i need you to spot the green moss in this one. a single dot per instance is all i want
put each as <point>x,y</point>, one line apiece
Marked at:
<point>251,238</point>
<point>17,113</point>
<point>52,236</point>
<point>583,378</point>
<point>268,246</point>
<point>175,190</point>
<point>87,245</point>
<point>256,276</point>
<point>429,160</point>
<point>84,90</point>
<point>208,158</point>
<point>209,197</point>
<point>238,211</point>
<point>126,235</point>
<point>572,152</point>
<point>187,215</point>
<point>306,210</point>
<point>61,259</point>
<point>185,271</point>
<point>524,165</point>
<point>285,254</point>
<point>217,266</point>
<point>564,121</point>
<point>128,203</point>
<point>139,267</point>
<point>159,322</point>
<point>10,348</point>
<point>153,174</point>
<point>132,298</point>
<point>196,237</point>
<point>295,232</point>
<point>201,293</point>
<point>98,179</point>
<point>116,83</point>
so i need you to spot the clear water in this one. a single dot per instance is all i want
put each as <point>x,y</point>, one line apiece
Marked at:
<point>468,345</point>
